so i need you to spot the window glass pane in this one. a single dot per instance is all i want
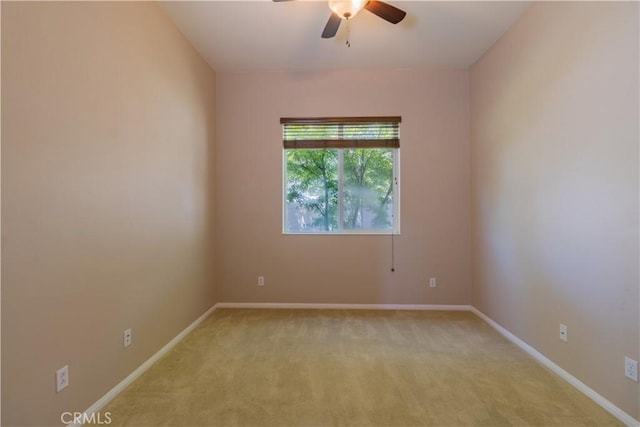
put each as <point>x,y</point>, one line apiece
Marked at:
<point>368,189</point>
<point>312,191</point>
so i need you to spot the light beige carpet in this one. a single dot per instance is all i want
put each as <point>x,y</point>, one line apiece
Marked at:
<point>350,368</point>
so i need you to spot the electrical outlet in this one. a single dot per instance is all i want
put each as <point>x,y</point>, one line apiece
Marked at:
<point>432,282</point>
<point>564,332</point>
<point>127,337</point>
<point>260,280</point>
<point>62,378</point>
<point>631,368</point>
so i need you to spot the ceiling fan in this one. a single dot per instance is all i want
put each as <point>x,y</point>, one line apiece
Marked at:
<point>347,9</point>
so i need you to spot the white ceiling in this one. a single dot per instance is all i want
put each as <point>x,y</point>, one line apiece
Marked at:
<point>263,35</point>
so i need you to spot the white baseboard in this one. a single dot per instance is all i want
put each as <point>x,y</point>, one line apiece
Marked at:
<point>343,306</point>
<point>142,368</point>
<point>610,407</point>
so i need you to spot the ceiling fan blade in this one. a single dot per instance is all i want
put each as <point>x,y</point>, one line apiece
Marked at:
<point>386,11</point>
<point>332,26</point>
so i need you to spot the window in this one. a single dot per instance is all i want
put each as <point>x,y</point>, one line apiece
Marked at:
<point>341,175</point>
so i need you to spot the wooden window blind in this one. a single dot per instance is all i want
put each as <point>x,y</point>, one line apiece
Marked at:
<point>341,132</point>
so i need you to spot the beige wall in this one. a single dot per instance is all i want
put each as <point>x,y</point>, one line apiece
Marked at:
<point>107,189</point>
<point>554,142</point>
<point>343,269</point>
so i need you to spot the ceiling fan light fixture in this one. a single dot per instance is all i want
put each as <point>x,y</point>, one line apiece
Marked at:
<point>347,9</point>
